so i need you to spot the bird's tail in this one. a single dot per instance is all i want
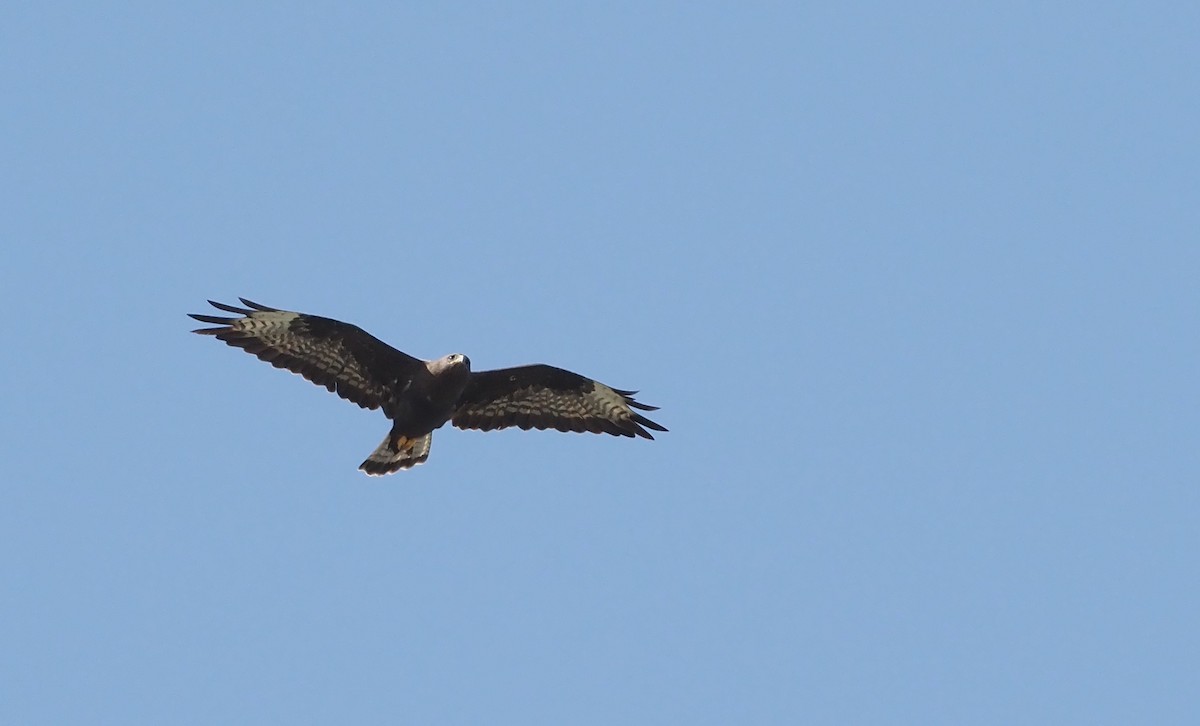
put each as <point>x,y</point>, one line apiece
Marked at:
<point>397,452</point>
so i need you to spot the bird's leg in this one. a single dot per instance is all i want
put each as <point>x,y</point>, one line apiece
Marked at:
<point>400,442</point>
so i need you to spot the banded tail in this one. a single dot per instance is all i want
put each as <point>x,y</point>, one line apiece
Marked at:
<point>396,453</point>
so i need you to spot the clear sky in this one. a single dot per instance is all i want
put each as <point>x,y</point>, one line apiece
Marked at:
<point>915,285</point>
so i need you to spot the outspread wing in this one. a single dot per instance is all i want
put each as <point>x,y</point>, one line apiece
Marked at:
<point>545,397</point>
<point>341,357</point>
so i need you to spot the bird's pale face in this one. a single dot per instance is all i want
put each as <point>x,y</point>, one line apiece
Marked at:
<point>449,362</point>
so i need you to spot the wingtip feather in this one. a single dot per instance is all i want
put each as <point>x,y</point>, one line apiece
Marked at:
<point>214,319</point>
<point>257,306</point>
<point>229,308</point>
<point>638,418</point>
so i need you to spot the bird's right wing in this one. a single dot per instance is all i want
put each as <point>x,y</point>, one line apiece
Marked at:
<point>341,357</point>
<point>545,397</point>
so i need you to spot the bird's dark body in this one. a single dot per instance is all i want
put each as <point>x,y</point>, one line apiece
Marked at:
<point>414,415</point>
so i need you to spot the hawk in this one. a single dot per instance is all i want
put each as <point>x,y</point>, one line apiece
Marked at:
<point>419,396</point>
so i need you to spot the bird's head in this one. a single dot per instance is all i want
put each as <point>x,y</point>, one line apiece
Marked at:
<point>448,363</point>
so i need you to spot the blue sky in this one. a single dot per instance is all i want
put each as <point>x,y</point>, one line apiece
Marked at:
<point>915,286</point>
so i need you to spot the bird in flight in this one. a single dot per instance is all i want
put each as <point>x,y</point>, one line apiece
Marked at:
<point>419,396</point>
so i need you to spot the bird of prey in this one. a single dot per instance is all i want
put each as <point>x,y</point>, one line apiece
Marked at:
<point>419,396</point>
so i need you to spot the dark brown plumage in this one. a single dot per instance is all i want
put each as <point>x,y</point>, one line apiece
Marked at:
<point>420,396</point>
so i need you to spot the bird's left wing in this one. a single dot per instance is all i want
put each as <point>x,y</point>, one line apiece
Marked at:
<point>339,356</point>
<point>545,397</point>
